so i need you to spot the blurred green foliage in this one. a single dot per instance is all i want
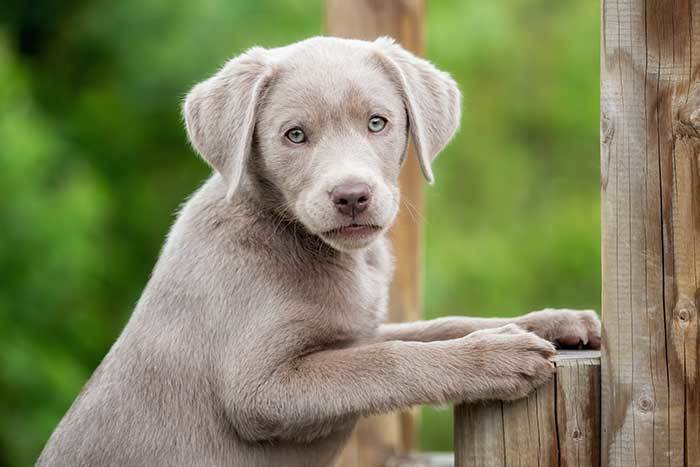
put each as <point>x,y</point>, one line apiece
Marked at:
<point>94,162</point>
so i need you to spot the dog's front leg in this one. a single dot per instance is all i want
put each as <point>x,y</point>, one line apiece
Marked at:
<point>439,329</point>
<point>307,397</point>
<point>566,328</point>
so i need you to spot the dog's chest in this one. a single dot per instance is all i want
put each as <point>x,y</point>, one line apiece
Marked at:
<point>352,297</point>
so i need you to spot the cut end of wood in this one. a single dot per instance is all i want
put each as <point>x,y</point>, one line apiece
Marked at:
<point>565,356</point>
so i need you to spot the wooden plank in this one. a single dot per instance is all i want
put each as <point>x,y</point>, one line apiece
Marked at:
<point>527,426</point>
<point>479,436</point>
<point>578,410</point>
<point>650,188</point>
<point>557,425</point>
<point>379,437</point>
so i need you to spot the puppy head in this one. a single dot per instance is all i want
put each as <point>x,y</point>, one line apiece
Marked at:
<point>325,123</point>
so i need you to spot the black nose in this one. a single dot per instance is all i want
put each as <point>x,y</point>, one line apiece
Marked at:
<point>351,198</point>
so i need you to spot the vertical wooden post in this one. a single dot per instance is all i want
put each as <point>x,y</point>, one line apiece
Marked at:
<point>650,184</point>
<point>379,437</point>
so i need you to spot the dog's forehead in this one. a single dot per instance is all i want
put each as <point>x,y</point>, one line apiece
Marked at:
<point>332,72</point>
<point>324,49</point>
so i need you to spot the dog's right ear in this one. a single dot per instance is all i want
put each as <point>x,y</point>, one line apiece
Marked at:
<point>431,97</point>
<point>220,114</point>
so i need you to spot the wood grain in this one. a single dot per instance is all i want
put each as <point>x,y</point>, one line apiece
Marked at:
<point>650,188</point>
<point>557,425</point>
<point>578,408</point>
<point>378,438</point>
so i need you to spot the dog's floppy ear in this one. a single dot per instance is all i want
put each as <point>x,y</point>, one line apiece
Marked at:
<point>431,97</point>
<point>220,114</point>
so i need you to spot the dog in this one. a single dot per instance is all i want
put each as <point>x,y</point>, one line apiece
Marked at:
<point>259,339</point>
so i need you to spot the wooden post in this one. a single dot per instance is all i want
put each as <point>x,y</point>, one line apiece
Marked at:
<point>558,425</point>
<point>650,185</point>
<point>378,438</point>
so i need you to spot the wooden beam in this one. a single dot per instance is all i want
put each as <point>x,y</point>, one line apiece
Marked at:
<point>650,187</point>
<point>558,425</point>
<point>378,438</point>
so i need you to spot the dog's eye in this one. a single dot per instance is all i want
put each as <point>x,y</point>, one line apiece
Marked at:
<point>376,124</point>
<point>296,135</point>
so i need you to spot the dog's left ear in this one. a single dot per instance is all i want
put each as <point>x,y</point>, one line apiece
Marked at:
<point>431,97</point>
<point>220,114</point>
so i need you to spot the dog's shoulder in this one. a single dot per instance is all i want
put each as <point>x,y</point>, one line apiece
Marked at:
<point>233,251</point>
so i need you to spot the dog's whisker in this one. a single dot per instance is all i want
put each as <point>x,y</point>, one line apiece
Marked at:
<point>412,211</point>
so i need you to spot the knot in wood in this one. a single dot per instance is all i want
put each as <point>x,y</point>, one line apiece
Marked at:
<point>686,129</point>
<point>687,121</point>
<point>684,312</point>
<point>645,404</point>
<point>607,128</point>
<point>576,434</point>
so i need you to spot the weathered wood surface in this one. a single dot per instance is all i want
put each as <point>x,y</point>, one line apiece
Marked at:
<point>557,425</point>
<point>650,185</point>
<point>377,438</point>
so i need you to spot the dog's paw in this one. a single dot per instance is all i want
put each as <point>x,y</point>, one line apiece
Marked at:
<point>566,328</point>
<point>511,362</point>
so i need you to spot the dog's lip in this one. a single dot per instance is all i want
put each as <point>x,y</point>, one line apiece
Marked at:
<point>353,230</point>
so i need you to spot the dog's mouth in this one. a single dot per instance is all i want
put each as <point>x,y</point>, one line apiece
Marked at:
<point>353,231</point>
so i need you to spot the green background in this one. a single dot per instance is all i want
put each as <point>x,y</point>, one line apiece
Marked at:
<point>94,162</point>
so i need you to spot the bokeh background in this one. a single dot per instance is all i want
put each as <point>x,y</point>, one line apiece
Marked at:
<point>94,163</point>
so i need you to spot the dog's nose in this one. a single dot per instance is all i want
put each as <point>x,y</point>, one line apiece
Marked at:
<point>351,198</point>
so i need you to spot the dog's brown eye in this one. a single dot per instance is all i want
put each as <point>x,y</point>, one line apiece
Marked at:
<point>296,135</point>
<point>376,124</point>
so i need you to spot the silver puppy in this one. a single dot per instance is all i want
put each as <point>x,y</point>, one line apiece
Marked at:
<point>259,338</point>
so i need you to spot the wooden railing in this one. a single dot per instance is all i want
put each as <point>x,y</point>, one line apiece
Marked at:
<point>557,425</point>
